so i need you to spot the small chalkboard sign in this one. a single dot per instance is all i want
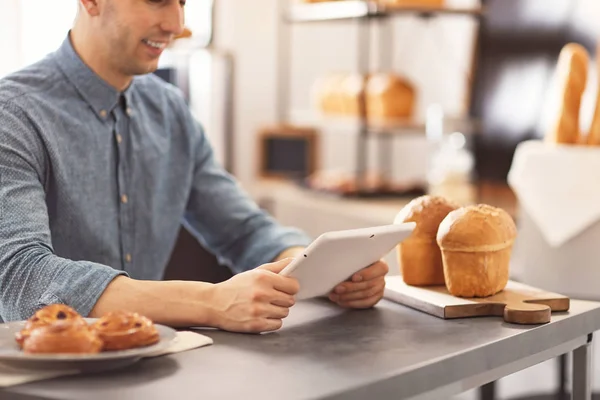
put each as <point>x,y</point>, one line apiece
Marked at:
<point>287,151</point>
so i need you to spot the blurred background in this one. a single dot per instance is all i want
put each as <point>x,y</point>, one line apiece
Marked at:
<point>485,69</point>
<point>490,71</point>
<point>333,114</point>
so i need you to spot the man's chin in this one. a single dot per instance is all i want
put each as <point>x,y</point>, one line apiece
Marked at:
<point>144,69</point>
<point>151,68</point>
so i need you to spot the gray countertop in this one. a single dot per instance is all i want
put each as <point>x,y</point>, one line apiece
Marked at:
<point>326,352</point>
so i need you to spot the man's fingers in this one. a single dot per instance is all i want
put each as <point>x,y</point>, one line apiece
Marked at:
<point>347,287</point>
<point>364,279</point>
<point>376,288</point>
<point>273,317</point>
<point>281,283</point>
<point>263,325</point>
<point>276,266</point>
<point>380,268</point>
<point>363,303</point>
<point>286,285</point>
<point>276,312</point>
<point>281,299</point>
<point>265,317</point>
<point>272,325</point>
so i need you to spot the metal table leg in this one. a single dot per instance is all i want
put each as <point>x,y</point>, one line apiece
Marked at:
<point>562,394</point>
<point>488,391</point>
<point>582,375</point>
<point>581,379</point>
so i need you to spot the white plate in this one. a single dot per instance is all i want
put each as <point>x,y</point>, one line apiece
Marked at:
<point>12,356</point>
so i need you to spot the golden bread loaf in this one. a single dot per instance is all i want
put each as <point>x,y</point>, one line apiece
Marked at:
<point>386,95</point>
<point>389,96</point>
<point>419,255</point>
<point>327,92</point>
<point>572,71</point>
<point>476,244</point>
<point>352,87</point>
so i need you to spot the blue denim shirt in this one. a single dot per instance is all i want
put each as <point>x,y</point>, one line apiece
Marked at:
<point>95,183</point>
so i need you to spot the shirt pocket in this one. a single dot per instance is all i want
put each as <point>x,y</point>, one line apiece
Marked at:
<point>150,141</point>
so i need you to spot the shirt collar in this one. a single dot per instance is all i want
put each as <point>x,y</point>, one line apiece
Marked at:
<point>101,96</point>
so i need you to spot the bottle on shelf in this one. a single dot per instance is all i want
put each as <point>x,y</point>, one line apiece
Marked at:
<point>452,163</point>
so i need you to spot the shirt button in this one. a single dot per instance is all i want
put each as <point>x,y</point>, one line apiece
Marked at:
<point>119,138</point>
<point>129,111</point>
<point>103,113</point>
<point>124,199</point>
<point>128,257</point>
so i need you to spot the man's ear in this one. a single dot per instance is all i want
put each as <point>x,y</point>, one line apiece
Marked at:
<point>90,6</point>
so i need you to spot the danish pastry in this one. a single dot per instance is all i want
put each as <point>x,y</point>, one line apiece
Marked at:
<point>47,316</point>
<point>67,336</point>
<point>122,330</point>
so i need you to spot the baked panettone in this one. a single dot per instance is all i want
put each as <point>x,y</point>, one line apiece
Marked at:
<point>476,244</point>
<point>419,255</point>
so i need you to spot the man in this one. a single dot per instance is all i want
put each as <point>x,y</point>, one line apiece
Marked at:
<point>97,171</point>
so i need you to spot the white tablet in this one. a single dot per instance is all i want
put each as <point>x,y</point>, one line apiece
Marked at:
<point>335,256</point>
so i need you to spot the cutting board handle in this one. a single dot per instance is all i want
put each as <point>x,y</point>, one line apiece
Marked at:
<point>517,303</point>
<point>527,313</point>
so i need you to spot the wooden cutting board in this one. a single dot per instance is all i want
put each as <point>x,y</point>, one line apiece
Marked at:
<point>517,303</point>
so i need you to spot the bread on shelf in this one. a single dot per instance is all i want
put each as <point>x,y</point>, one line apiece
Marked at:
<point>419,255</point>
<point>387,96</point>
<point>476,244</point>
<point>327,93</point>
<point>352,87</point>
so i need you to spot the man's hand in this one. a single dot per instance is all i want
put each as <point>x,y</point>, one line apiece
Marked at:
<point>254,301</point>
<point>364,289</point>
<point>290,252</point>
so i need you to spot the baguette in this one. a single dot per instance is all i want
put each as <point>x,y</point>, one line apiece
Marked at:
<point>593,137</point>
<point>572,71</point>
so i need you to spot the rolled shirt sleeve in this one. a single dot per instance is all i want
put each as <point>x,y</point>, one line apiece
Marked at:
<point>31,275</point>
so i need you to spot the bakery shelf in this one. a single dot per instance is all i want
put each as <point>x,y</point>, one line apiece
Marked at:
<point>348,124</point>
<point>355,9</point>
<point>365,14</point>
<point>331,11</point>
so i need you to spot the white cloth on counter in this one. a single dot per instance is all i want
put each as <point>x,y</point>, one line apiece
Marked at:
<point>558,186</point>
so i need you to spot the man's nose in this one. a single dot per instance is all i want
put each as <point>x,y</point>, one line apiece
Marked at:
<point>174,18</point>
